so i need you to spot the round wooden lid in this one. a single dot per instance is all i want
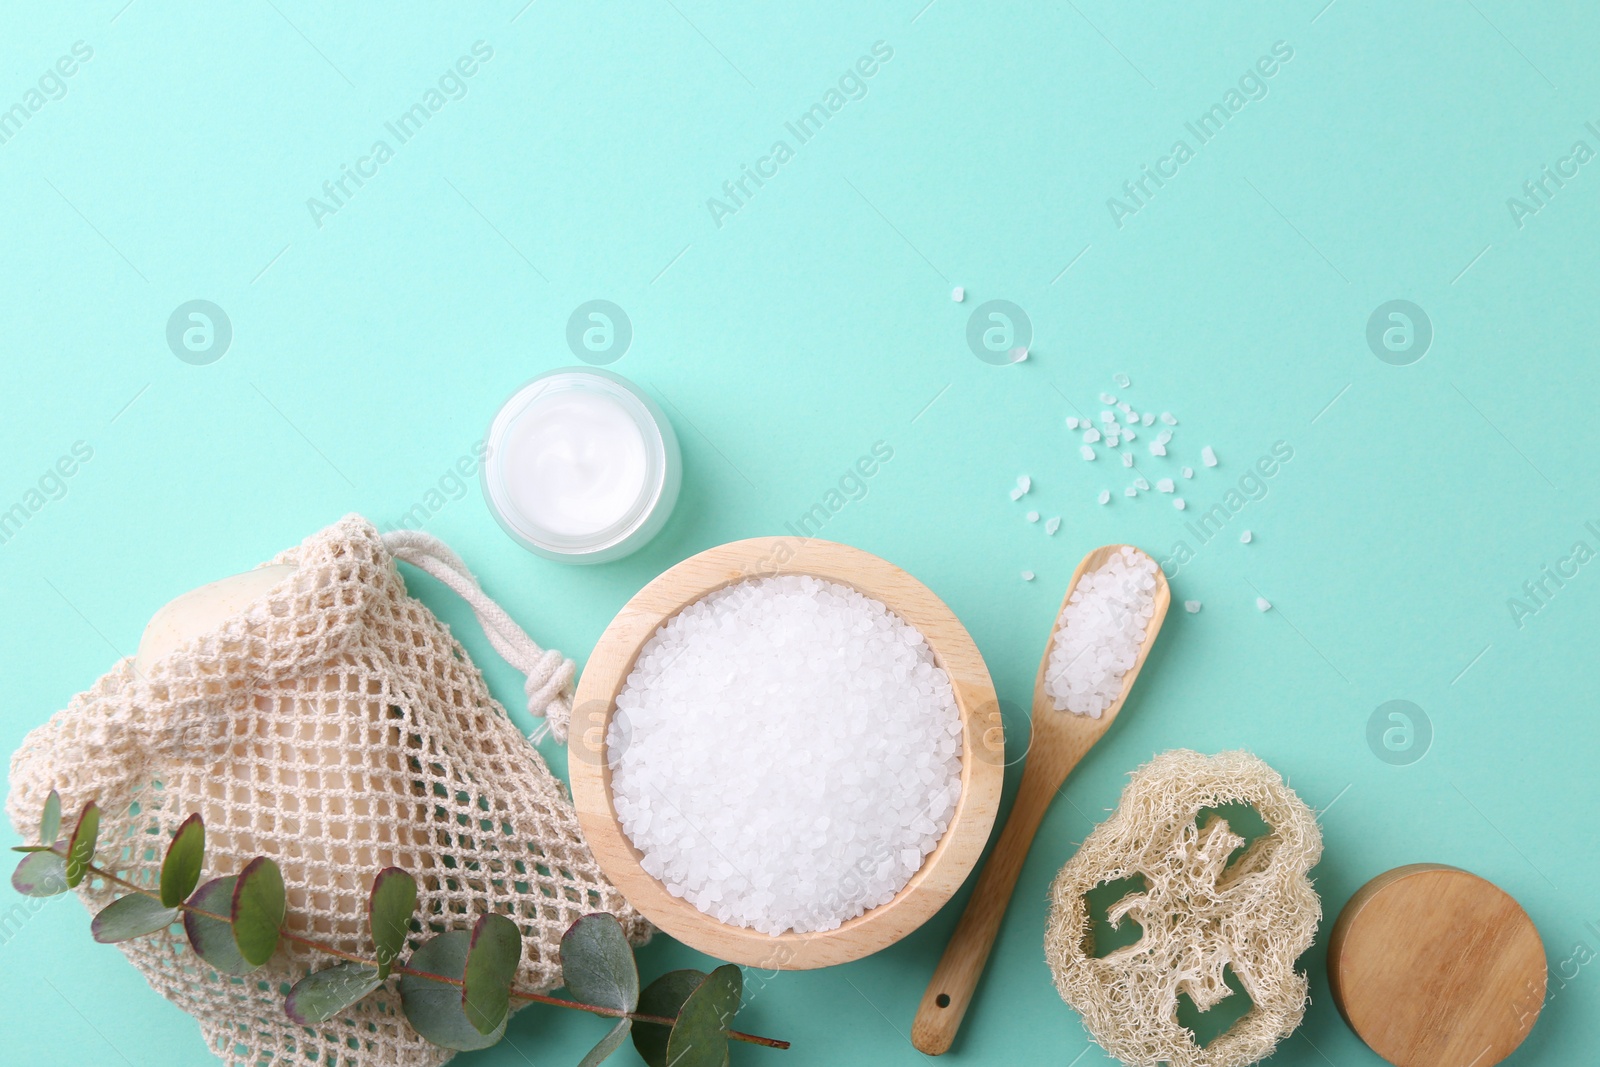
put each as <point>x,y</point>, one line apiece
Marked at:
<point>1435,967</point>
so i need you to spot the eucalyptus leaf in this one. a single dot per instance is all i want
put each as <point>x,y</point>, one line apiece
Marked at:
<point>434,1009</point>
<point>50,821</point>
<point>394,898</point>
<point>662,998</point>
<point>80,851</point>
<point>608,1044</point>
<point>134,915</point>
<point>258,910</point>
<point>700,1037</point>
<point>180,870</point>
<point>213,940</point>
<point>318,997</point>
<point>597,963</point>
<point>40,874</point>
<point>33,848</point>
<point>491,965</point>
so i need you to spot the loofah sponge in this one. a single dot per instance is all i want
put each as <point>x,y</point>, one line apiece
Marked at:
<point>1199,913</point>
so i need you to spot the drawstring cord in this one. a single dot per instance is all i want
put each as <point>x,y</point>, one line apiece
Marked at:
<point>549,673</point>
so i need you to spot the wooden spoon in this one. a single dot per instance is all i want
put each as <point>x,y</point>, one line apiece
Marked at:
<point>1060,740</point>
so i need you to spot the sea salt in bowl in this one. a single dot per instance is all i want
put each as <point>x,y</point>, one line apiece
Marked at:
<point>982,750</point>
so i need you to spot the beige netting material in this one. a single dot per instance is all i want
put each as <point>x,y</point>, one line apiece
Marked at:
<point>1199,912</point>
<point>337,727</point>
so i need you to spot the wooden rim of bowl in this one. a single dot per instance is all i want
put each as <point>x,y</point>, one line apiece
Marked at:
<point>982,752</point>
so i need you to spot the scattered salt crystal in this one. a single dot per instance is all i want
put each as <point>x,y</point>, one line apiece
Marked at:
<point>958,294</point>
<point>1130,491</point>
<point>832,736</point>
<point>1086,452</point>
<point>1107,398</point>
<point>1033,516</point>
<point>1166,417</point>
<point>1105,496</point>
<point>1121,380</point>
<point>1191,606</point>
<point>1130,435</point>
<point>1052,525</point>
<point>1141,482</point>
<point>1112,440</point>
<point>1091,436</point>
<point>1246,537</point>
<point>1024,482</point>
<point>1263,604</point>
<point>1157,448</point>
<point>1164,437</point>
<point>1072,422</point>
<point>1147,418</point>
<point>1208,456</point>
<point>1165,485</point>
<point>1127,459</point>
<point>1099,634</point>
<point>1178,503</point>
<point>1016,494</point>
<point>1188,472</point>
<point>1018,355</point>
<point>1127,409</point>
<point>1027,576</point>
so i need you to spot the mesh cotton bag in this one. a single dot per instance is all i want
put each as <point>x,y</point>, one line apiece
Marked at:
<point>336,726</point>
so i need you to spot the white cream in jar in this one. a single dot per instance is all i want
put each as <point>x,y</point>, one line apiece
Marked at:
<point>581,466</point>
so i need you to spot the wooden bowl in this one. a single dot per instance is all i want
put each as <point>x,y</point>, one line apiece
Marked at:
<point>982,754</point>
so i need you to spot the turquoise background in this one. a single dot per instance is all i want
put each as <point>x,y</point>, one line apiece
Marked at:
<point>369,353</point>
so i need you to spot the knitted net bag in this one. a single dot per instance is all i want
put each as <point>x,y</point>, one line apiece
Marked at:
<point>1202,910</point>
<point>336,726</point>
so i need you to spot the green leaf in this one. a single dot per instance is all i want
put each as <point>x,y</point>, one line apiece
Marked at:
<point>211,939</point>
<point>608,1044</point>
<point>491,964</point>
<point>80,851</point>
<point>180,871</point>
<point>318,997</point>
<point>597,963</point>
<point>259,907</point>
<point>40,874</point>
<point>50,821</point>
<point>662,998</point>
<point>434,1009</point>
<point>700,1038</point>
<point>394,898</point>
<point>134,915</point>
<point>34,848</point>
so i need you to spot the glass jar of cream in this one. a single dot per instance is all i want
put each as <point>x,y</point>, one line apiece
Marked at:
<point>581,466</point>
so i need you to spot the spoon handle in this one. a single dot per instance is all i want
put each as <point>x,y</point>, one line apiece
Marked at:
<point>956,978</point>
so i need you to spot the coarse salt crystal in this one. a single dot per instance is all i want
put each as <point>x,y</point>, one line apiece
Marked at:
<point>1072,422</point>
<point>1121,380</point>
<point>1099,634</point>
<point>1157,448</point>
<point>1091,436</point>
<point>1191,606</point>
<point>1130,491</point>
<point>831,733</point>
<point>1018,355</point>
<point>1127,459</point>
<point>1052,525</point>
<point>1263,604</point>
<point>1027,576</point>
<point>1188,472</point>
<point>1086,452</point>
<point>1246,537</point>
<point>1024,482</point>
<point>1165,485</point>
<point>1112,440</point>
<point>1166,417</point>
<point>1147,418</point>
<point>1164,437</point>
<point>958,294</point>
<point>1033,516</point>
<point>1105,496</point>
<point>1108,416</point>
<point>1141,482</point>
<point>1130,435</point>
<point>1178,503</point>
<point>1208,456</point>
<point>1107,398</point>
